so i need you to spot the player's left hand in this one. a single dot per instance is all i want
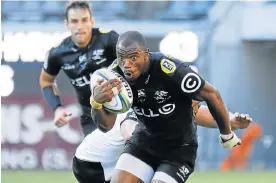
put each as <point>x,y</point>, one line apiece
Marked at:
<point>229,142</point>
<point>240,121</point>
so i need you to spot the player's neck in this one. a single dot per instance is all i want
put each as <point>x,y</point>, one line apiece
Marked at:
<point>84,44</point>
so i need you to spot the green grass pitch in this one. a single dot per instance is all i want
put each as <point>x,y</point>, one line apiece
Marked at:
<point>199,177</point>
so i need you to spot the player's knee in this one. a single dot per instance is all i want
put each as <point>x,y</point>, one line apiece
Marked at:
<point>121,176</point>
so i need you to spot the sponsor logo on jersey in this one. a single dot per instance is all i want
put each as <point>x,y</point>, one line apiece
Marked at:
<point>183,172</point>
<point>81,81</point>
<point>141,95</point>
<point>167,66</point>
<point>147,80</point>
<point>82,58</point>
<point>161,96</point>
<point>190,83</point>
<point>98,56</point>
<point>150,113</point>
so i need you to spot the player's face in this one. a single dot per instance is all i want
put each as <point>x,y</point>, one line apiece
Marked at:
<point>133,62</point>
<point>80,25</point>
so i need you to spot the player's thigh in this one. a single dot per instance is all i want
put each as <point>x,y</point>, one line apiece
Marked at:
<point>168,172</point>
<point>87,172</point>
<point>134,165</point>
<point>87,125</point>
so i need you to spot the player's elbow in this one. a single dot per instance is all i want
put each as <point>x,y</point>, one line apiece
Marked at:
<point>46,80</point>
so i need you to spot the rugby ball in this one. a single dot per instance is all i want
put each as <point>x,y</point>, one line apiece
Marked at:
<point>120,103</point>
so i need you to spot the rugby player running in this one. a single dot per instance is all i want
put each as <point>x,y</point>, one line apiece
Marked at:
<point>163,146</point>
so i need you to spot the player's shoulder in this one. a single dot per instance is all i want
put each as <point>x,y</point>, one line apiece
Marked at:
<point>114,66</point>
<point>103,32</point>
<point>165,63</point>
<point>59,47</point>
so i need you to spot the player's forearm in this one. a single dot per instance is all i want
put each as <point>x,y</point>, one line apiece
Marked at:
<point>104,121</point>
<point>219,111</point>
<point>50,93</point>
<point>204,118</point>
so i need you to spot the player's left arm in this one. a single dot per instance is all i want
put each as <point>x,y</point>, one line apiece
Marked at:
<point>204,118</point>
<point>195,87</point>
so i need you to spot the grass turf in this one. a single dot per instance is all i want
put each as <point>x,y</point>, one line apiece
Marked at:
<point>198,177</point>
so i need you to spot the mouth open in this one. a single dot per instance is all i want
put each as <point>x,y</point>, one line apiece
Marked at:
<point>128,74</point>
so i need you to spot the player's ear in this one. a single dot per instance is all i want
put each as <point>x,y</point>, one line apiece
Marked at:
<point>66,22</point>
<point>93,21</point>
<point>147,52</point>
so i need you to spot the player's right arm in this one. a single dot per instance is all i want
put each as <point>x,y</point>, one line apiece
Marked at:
<point>195,87</point>
<point>101,93</point>
<point>50,70</point>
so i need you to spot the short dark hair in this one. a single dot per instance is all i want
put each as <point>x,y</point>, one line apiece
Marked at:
<point>130,37</point>
<point>77,5</point>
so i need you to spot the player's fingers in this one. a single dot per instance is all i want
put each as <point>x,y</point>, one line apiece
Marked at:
<point>115,91</point>
<point>112,82</point>
<point>243,116</point>
<point>248,117</point>
<point>61,120</point>
<point>237,114</point>
<point>119,87</point>
<point>59,123</point>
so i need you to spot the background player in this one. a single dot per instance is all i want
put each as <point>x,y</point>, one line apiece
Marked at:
<point>86,50</point>
<point>164,147</point>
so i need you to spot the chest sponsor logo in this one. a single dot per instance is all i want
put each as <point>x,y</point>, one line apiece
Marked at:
<point>151,113</point>
<point>81,81</point>
<point>161,96</point>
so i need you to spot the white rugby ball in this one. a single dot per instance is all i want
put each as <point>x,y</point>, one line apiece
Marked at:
<point>123,101</point>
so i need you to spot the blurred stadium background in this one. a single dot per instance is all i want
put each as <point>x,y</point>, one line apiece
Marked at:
<point>231,43</point>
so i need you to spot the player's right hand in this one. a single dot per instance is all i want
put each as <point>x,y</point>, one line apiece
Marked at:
<point>61,117</point>
<point>104,92</point>
<point>230,142</point>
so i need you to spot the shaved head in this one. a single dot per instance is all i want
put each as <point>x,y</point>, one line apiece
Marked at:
<point>131,40</point>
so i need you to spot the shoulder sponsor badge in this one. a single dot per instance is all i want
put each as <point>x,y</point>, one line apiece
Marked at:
<point>104,31</point>
<point>167,66</point>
